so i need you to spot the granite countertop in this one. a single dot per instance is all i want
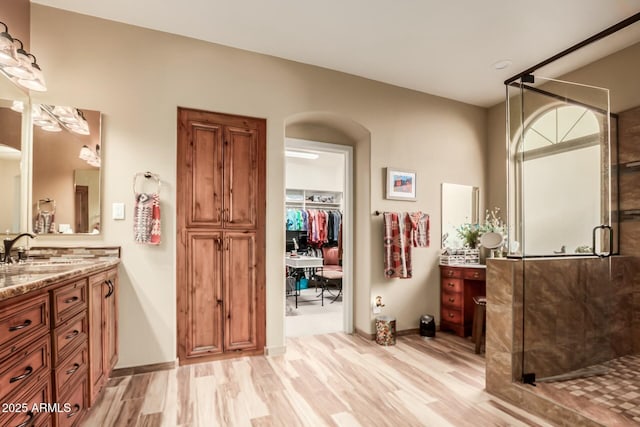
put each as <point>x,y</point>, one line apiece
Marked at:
<point>19,279</point>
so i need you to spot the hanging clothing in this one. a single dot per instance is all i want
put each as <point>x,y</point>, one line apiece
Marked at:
<point>146,225</point>
<point>419,229</point>
<point>322,226</point>
<point>403,231</point>
<point>397,248</point>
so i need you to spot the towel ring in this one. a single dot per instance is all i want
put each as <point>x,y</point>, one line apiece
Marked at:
<point>146,175</point>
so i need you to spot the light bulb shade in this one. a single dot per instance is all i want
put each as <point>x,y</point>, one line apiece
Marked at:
<point>8,53</point>
<point>17,106</point>
<point>37,83</point>
<point>62,111</point>
<point>95,162</point>
<point>86,153</point>
<point>24,69</point>
<point>52,127</point>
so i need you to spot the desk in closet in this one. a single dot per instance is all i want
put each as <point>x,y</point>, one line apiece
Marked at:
<point>297,267</point>
<point>458,285</point>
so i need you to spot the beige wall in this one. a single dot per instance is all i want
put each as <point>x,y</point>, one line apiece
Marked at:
<point>138,78</point>
<point>616,72</point>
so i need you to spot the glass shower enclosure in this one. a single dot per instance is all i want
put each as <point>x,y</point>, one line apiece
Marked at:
<point>562,228</point>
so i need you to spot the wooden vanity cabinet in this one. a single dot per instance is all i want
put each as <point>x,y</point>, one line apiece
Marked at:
<point>458,286</point>
<point>103,329</point>
<point>58,345</point>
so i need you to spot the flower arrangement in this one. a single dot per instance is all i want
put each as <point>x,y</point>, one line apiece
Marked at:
<point>470,233</point>
<point>493,222</point>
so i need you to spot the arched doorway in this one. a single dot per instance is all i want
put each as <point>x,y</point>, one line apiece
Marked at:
<point>329,133</point>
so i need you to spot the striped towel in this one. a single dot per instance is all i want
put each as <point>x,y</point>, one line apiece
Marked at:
<point>397,245</point>
<point>146,222</point>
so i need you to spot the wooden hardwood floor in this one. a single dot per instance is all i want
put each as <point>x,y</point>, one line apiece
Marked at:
<point>322,380</point>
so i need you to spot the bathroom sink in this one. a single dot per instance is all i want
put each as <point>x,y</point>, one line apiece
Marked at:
<point>56,264</point>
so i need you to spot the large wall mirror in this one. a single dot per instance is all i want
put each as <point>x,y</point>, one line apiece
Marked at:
<point>460,205</point>
<point>11,171</point>
<point>65,196</point>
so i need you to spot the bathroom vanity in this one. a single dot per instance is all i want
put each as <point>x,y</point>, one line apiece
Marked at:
<point>459,284</point>
<point>58,338</point>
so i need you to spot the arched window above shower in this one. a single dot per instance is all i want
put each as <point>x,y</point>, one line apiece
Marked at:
<point>560,129</point>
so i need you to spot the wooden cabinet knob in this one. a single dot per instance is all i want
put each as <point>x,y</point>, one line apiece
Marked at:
<point>451,315</point>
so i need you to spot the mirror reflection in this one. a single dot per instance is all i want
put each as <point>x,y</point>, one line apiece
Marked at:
<point>10,157</point>
<point>459,206</point>
<point>66,170</point>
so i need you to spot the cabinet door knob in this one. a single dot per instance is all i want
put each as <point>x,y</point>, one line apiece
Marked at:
<point>451,285</point>
<point>451,315</point>
<point>72,299</point>
<point>452,299</point>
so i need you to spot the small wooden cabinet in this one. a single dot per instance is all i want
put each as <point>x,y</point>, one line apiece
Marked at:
<point>103,329</point>
<point>458,286</point>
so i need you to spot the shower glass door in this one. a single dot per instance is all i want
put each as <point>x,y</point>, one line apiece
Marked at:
<point>560,199</point>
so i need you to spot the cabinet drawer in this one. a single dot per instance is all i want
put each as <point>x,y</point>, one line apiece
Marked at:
<point>68,336</point>
<point>22,367</point>
<point>70,368</point>
<point>68,301</point>
<point>475,273</point>
<point>451,272</point>
<point>31,399</point>
<point>452,285</point>
<point>28,318</point>
<point>452,315</point>
<point>452,299</point>
<point>76,401</point>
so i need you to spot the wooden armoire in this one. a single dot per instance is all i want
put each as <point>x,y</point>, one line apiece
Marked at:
<point>221,235</point>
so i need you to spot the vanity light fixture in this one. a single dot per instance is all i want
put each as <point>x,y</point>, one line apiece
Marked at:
<point>90,156</point>
<point>8,53</point>
<point>20,66</point>
<point>301,154</point>
<point>70,118</point>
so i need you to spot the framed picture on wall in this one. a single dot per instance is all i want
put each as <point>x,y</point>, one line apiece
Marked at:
<point>401,184</point>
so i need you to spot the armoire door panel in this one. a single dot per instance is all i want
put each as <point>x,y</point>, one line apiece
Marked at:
<point>204,293</point>
<point>206,176</point>
<point>240,290</point>
<point>241,177</point>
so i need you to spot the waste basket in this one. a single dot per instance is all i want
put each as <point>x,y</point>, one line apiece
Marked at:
<point>386,330</point>
<point>427,326</point>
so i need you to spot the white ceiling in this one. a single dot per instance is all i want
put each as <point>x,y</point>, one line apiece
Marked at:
<point>442,47</point>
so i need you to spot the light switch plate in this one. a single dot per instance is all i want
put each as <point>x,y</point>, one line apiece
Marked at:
<point>117,211</point>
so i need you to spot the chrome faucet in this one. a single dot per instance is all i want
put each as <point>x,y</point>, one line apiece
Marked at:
<point>8,244</point>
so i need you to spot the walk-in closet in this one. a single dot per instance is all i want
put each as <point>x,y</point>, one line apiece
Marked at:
<point>313,223</point>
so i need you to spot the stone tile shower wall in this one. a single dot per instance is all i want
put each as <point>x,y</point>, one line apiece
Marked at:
<point>555,285</point>
<point>575,315</point>
<point>629,173</point>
